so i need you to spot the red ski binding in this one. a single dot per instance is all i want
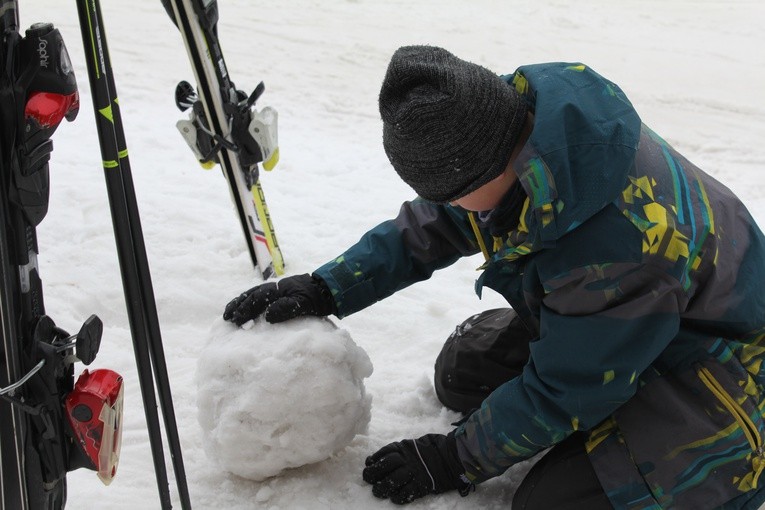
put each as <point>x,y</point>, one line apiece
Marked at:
<point>94,411</point>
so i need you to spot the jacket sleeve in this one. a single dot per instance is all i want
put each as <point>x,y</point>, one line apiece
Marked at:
<point>601,326</point>
<point>423,237</point>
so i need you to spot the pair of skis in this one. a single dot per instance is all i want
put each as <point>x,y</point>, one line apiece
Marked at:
<point>225,127</point>
<point>48,424</point>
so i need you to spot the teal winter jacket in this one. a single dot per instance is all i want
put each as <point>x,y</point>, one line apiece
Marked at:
<point>644,279</point>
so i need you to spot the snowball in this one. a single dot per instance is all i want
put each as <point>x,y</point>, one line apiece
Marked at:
<point>278,396</point>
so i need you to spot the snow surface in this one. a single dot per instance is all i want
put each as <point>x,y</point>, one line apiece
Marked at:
<point>296,399</point>
<point>695,71</point>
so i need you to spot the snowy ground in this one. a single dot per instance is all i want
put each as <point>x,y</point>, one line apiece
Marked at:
<point>695,70</point>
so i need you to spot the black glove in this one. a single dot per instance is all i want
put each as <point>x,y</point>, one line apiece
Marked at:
<point>414,468</point>
<point>282,300</point>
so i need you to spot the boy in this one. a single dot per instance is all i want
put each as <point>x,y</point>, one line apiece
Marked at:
<point>635,342</point>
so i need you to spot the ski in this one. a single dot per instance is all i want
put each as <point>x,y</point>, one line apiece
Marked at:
<point>224,127</point>
<point>51,425</point>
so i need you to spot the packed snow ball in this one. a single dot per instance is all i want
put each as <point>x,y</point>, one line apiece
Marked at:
<point>279,396</point>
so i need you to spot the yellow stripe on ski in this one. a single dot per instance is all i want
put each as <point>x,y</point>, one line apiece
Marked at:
<point>268,228</point>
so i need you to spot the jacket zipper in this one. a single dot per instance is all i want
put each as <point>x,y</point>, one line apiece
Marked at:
<point>741,417</point>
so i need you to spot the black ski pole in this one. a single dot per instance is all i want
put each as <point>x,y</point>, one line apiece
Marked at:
<point>156,349</point>
<point>136,278</point>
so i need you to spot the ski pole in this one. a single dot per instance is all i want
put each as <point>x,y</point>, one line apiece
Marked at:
<point>136,278</point>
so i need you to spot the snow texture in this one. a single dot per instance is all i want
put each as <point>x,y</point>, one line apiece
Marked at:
<point>272,397</point>
<point>695,71</point>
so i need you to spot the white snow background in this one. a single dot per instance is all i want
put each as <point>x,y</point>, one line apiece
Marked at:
<point>695,71</point>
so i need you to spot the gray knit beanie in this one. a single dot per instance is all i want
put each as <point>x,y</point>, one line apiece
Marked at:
<point>449,126</point>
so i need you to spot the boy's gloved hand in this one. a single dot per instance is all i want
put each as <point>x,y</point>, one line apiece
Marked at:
<point>414,468</point>
<point>282,300</point>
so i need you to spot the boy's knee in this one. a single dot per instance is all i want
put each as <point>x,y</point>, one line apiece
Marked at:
<point>483,352</point>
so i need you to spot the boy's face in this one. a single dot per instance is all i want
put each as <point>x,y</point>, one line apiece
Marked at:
<point>488,196</point>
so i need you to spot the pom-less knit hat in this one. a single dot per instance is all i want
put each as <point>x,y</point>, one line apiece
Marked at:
<point>449,126</point>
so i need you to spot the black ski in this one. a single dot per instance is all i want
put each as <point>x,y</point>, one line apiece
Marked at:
<point>224,127</point>
<point>45,415</point>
